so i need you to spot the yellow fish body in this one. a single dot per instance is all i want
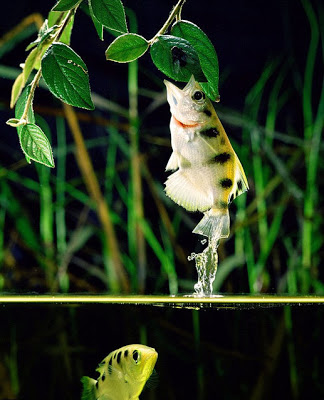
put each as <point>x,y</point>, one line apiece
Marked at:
<point>209,174</point>
<point>123,374</point>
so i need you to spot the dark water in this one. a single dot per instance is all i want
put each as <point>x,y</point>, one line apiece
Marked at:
<point>231,352</point>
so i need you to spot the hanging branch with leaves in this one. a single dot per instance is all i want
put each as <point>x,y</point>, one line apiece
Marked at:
<point>184,51</point>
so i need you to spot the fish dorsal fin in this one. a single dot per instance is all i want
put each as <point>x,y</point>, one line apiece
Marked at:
<point>184,189</point>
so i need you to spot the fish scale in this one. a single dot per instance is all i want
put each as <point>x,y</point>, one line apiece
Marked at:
<point>208,174</point>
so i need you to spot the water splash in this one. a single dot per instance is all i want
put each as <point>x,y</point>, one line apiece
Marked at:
<point>206,265</point>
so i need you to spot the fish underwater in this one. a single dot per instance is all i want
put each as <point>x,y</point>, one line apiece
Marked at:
<point>209,175</point>
<point>123,374</point>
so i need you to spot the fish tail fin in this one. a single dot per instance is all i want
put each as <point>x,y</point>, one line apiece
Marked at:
<point>89,388</point>
<point>215,224</point>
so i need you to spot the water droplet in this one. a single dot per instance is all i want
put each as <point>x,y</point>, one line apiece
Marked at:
<point>192,256</point>
<point>204,241</point>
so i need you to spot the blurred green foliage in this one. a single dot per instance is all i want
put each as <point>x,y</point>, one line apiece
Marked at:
<point>52,237</point>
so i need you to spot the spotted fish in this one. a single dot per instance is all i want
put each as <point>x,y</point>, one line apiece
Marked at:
<point>123,374</point>
<point>208,174</point>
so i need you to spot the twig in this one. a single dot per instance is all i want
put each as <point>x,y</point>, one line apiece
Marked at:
<point>175,14</point>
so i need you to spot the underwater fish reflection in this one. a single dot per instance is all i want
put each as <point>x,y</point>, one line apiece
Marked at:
<point>123,374</point>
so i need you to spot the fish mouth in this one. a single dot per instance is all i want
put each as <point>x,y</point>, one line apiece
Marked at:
<point>182,125</point>
<point>174,96</point>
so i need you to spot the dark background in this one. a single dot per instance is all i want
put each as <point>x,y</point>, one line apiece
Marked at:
<point>246,34</point>
<point>240,353</point>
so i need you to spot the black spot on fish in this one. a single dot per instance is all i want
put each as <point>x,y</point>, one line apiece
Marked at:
<point>126,353</point>
<point>236,193</point>
<point>210,133</point>
<point>240,185</point>
<point>231,198</point>
<point>222,141</point>
<point>118,356</point>
<point>110,370</point>
<point>110,361</point>
<point>115,355</point>
<point>179,56</point>
<point>103,377</point>
<point>220,158</point>
<point>207,112</point>
<point>226,183</point>
<point>97,385</point>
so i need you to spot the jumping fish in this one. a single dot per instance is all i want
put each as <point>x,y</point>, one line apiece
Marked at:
<point>123,374</point>
<point>209,175</point>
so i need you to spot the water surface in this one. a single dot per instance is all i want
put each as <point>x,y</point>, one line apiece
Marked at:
<point>230,347</point>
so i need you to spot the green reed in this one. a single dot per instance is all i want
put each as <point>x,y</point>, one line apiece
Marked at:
<point>46,209</point>
<point>313,127</point>
<point>198,356</point>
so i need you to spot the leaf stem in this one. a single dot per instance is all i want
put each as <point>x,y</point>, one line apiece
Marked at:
<point>30,97</point>
<point>175,14</point>
<point>37,77</point>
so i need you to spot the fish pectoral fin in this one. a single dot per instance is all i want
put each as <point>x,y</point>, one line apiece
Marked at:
<point>89,388</point>
<point>173,162</point>
<point>183,189</point>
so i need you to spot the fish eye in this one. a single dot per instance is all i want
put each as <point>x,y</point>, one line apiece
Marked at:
<point>198,95</point>
<point>136,356</point>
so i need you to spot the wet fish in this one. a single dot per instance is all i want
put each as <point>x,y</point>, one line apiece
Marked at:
<point>123,374</point>
<point>209,175</point>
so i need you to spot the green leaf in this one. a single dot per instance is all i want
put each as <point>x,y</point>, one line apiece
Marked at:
<point>126,48</point>
<point>54,17</point>
<point>20,107</point>
<point>84,6</point>
<point>30,63</point>
<point>19,110</point>
<point>35,145</point>
<point>20,82</point>
<point>109,13</point>
<point>17,88</point>
<point>206,53</point>
<point>13,122</point>
<point>176,58</point>
<point>66,75</point>
<point>67,32</point>
<point>44,34</point>
<point>98,25</point>
<point>65,5</point>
